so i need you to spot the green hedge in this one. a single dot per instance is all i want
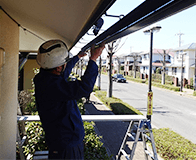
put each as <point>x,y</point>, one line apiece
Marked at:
<point>35,138</point>
<point>170,87</point>
<point>157,83</point>
<point>139,80</point>
<point>171,145</point>
<point>93,147</point>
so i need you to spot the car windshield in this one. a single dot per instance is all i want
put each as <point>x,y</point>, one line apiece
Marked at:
<point>119,76</point>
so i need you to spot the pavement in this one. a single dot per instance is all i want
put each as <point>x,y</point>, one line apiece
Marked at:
<point>112,132</point>
<point>187,92</point>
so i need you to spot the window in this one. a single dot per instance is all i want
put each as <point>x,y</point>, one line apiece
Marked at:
<point>174,70</point>
<point>183,70</point>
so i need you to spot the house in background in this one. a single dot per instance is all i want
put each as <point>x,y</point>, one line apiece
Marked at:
<point>174,69</point>
<point>157,59</point>
<point>126,60</point>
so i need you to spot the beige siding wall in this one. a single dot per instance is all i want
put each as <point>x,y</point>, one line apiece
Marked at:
<point>28,73</point>
<point>9,41</point>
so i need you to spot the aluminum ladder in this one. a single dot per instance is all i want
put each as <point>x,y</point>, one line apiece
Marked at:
<point>137,132</point>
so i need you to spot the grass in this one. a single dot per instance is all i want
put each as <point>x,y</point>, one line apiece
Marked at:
<point>116,105</point>
<point>171,145</point>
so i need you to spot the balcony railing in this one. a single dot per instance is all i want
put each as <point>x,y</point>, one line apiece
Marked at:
<point>125,118</point>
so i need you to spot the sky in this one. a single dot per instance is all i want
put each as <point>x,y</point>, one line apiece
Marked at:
<point>167,38</point>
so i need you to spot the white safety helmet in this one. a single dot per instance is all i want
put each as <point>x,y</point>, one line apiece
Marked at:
<point>52,53</point>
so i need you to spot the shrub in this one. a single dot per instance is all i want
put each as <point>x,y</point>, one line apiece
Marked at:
<point>170,87</point>
<point>93,147</point>
<point>156,76</point>
<point>158,71</point>
<point>194,93</point>
<point>35,138</point>
<point>121,67</point>
<point>173,146</point>
<point>191,81</point>
<point>31,107</point>
<point>136,79</point>
<point>80,104</point>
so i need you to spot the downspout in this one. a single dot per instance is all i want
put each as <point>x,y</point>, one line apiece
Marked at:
<point>23,60</point>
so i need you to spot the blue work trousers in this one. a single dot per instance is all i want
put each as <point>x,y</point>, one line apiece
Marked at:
<point>70,153</point>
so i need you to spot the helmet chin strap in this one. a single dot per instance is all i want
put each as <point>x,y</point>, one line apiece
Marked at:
<point>63,68</point>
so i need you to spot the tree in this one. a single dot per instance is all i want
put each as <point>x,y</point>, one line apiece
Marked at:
<point>111,48</point>
<point>99,74</point>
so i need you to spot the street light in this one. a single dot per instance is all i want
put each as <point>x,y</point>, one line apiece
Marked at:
<point>150,93</point>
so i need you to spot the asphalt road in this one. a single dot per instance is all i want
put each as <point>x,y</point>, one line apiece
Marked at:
<point>170,110</point>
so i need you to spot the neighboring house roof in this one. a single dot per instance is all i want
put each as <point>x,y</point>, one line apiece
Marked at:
<point>129,54</point>
<point>175,65</point>
<point>186,47</point>
<point>160,51</point>
<point>155,64</point>
<point>192,65</point>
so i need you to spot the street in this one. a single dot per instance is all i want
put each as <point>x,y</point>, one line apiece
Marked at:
<point>170,110</point>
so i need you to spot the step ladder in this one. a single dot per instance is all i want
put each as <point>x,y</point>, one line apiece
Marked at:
<point>137,132</point>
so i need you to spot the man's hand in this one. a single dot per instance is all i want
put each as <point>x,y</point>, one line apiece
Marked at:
<point>81,54</point>
<point>96,52</point>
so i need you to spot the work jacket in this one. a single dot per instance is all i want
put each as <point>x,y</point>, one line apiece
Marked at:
<point>56,103</point>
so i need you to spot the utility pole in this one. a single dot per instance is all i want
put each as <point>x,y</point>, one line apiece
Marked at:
<point>164,63</point>
<point>118,60</point>
<point>163,74</point>
<point>182,73</point>
<point>195,70</point>
<point>179,34</point>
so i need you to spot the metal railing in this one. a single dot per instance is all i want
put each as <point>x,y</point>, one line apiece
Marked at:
<point>96,118</point>
<point>127,118</point>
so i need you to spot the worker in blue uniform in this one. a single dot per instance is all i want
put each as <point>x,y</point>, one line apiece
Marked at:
<point>56,98</point>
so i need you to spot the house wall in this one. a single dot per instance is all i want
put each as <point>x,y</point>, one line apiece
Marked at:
<point>9,41</point>
<point>28,73</point>
<point>145,62</point>
<point>188,60</point>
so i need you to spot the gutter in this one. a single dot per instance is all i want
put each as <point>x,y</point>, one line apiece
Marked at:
<point>149,12</point>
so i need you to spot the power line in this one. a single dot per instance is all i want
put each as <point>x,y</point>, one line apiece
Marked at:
<point>19,25</point>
